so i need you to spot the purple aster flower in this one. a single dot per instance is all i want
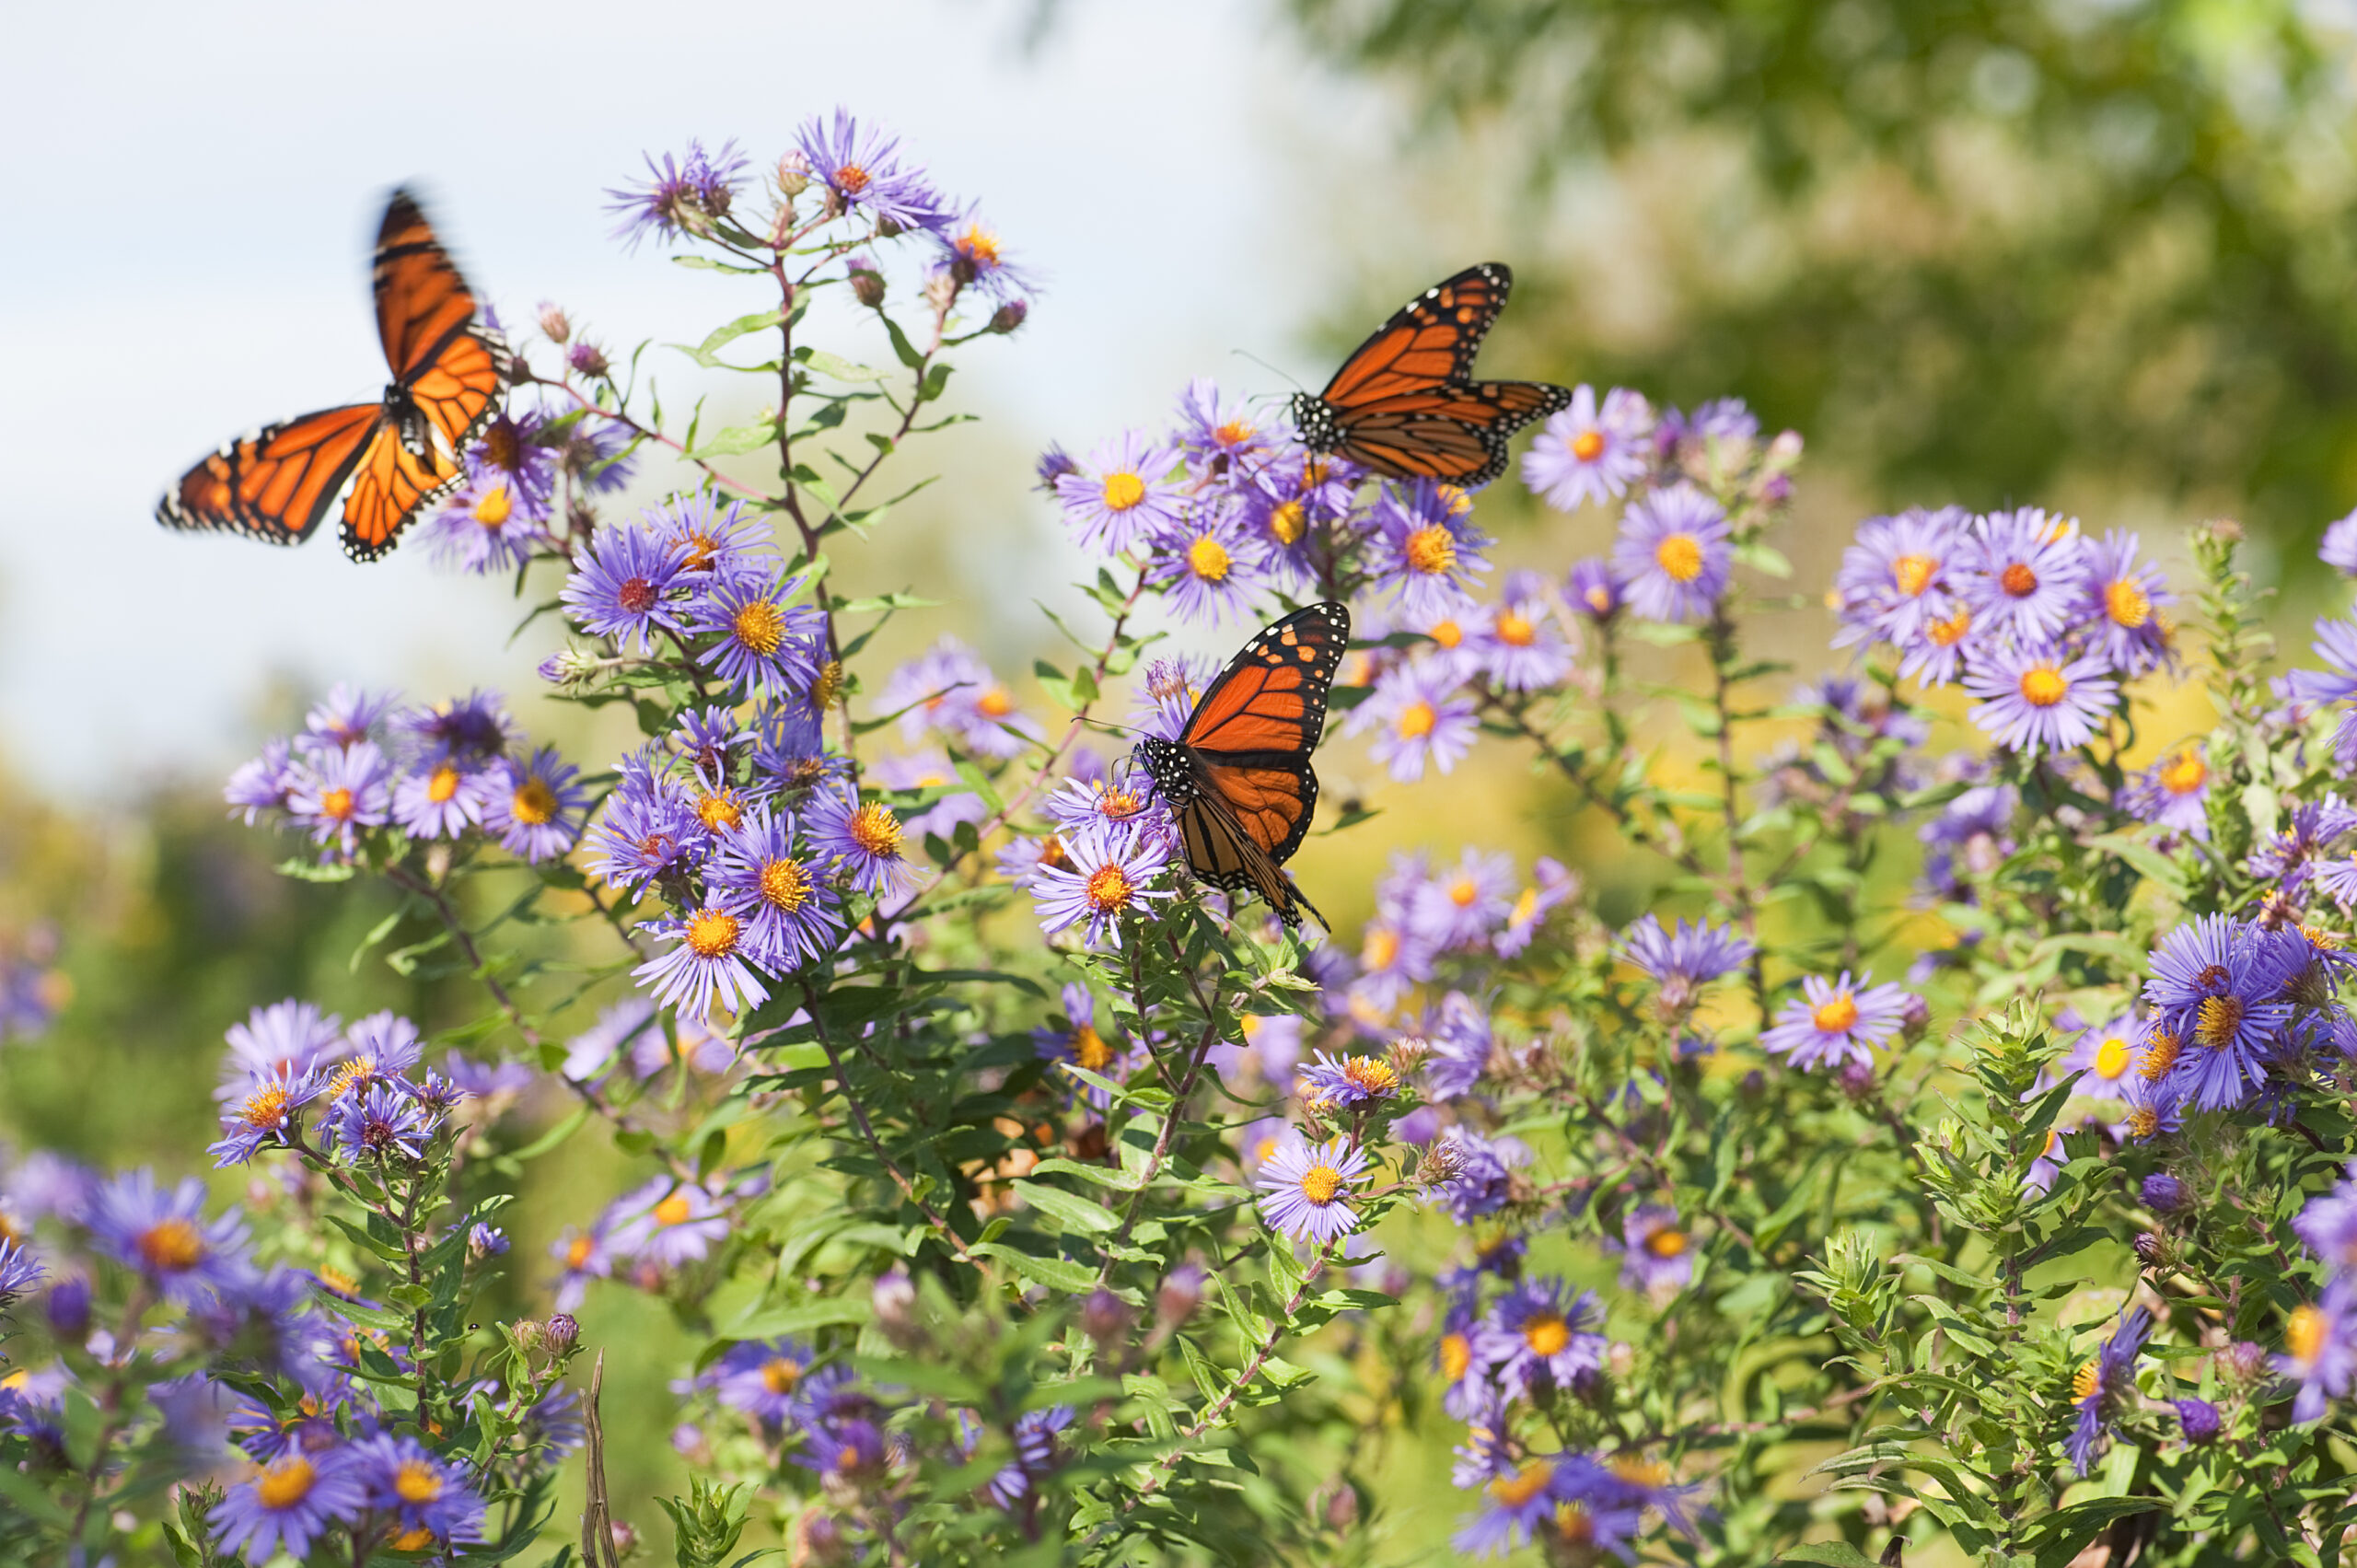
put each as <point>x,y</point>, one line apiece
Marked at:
<point>2214,990</point>
<point>1207,567</point>
<point>765,644</point>
<point>288,1503</point>
<point>2173,794</point>
<point>1111,867</point>
<point>1973,827</point>
<point>2103,1383</point>
<point>289,1036</point>
<point>1520,649</point>
<point>1550,884</point>
<point>2032,700</point>
<point>1080,804</point>
<point>1683,961</point>
<point>166,1236</point>
<point>1837,1022</point>
<point>1424,550</point>
<point>264,784</point>
<point>514,448</point>
<point>864,841</point>
<point>1543,1494</point>
<point>974,257</point>
<point>265,1114</point>
<point>1946,637</point>
<point>1633,1481</point>
<point>1655,1254</point>
<point>347,715</point>
<point>422,1494</point>
<point>1165,698</point>
<point>1306,1188</point>
<point>1220,433</point>
<point>1122,495</point>
<point>383,1123</point>
<point>534,809</point>
<point>759,1378</point>
<point>708,970</point>
<point>671,1223</point>
<point>2338,549</point>
<point>486,527</point>
<point>2329,1225</point>
<point>1587,453</point>
<point>1460,1037</point>
<point>727,541</point>
<point>790,745</point>
<point>594,449</point>
<point>2123,607</point>
<point>440,801</point>
<point>2164,1193</point>
<point>1035,1455</point>
<point>1391,961</point>
<point>620,587</point>
<point>703,741</point>
<point>1720,419</point>
<point>950,689</point>
<point>1672,554</point>
<point>2156,1101</point>
<point>648,828</point>
<point>1485,1181</point>
<point>19,1270</point>
<point>1421,716</point>
<point>1900,568</point>
<point>1332,1083</point>
<point>485,1241</point>
<point>2316,827</point>
<point>1593,588</point>
<point>585,1257</point>
<point>861,167</point>
<point>468,731</point>
<point>1464,907</point>
<point>2104,1057</point>
<point>378,1049</point>
<point>2320,1348</point>
<point>1532,1336</point>
<point>792,914</point>
<point>2024,574</point>
<point>2197,1420</point>
<point>1079,1041</point>
<point>336,793</point>
<point>685,195</point>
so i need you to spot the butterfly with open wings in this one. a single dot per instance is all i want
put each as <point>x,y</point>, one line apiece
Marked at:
<point>1405,404</point>
<point>386,459</point>
<point>1237,778</point>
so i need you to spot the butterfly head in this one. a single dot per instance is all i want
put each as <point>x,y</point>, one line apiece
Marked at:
<point>1166,762</point>
<point>1313,417</point>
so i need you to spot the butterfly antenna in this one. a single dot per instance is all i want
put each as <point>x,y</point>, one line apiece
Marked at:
<point>1106,724</point>
<point>1282,375</point>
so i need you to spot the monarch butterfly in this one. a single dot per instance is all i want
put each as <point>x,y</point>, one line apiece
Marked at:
<point>1406,405</point>
<point>1238,778</point>
<point>388,458</point>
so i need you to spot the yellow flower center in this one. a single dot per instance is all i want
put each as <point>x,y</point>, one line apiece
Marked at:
<point>995,703</point>
<point>1576,1524</point>
<point>1638,1471</point>
<point>1234,432</point>
<point>1514,631</point>
<point>284,1483</point>
<point>874,829</point>
<point>673,1210</point>
<point>1547,1334</point>
<point>828,689</point>
<point>577,1251</point>
<point>1667,1243</point>
<point>851,179</point>
<point>1525,905</point>
<point>1369,1075</point>
<point>2125,602</point>
<point>493,507</point>
<point>2304,1335</point>
<point>2143,1122</point>
<point>2185,773</point>
<point>2159,1057</point>
<point>336,804</point>
<point>2087,1380</point>
<point>417,1482</point>
<point>2220,1020</point>
<point>2043,686</point>
<point>2111,1058</point>
<point>1588,445</point>
<point>1680,555</point>
<point>1110,889</point>
<point>1288,522</point>
<point>417,1540</point>
<point>784,885</point>
<point>1431,551</point>
<point>1455,1356</point>
<point>759,626</point>
<point>534,803</point>
<point>443,785</point>
<point>1417,718</point>
<point>1599,598</point>
<point>1122,491</point>
<point>1947,634</point>
<point>170,1246</point>
<point>1319,1183</point>
<point>264,1109</point>
<point>2018,580</point>
<point>1207,558</point>
<point>1515,1490</point>
<point>1446,633</point>
<point>723,811</point>
<point>1089,1050</point>
<point>1835,1013</point>
<point>1381,947</point>
<point>979,244</point>
<point>1913,574</point>
<point>779,1374</point>
<point>712,933</point>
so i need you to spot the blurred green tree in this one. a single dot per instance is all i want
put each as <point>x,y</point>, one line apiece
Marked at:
<point>1983,246</point>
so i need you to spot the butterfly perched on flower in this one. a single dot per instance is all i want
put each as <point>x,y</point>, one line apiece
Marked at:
<point>386,459</point>
<point>1237,778</point>
<point>1405,404</point>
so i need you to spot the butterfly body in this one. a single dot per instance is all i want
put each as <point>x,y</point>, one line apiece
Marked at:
<point>1405,404</point>
<point>1238,779</point>
<point>385,461</point>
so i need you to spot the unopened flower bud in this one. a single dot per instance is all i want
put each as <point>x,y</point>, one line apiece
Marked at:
<point>1915,1017</point>
<point>1011,315</point>
<point>589,360</point>
<point>555,325</point>
<point>2225,531</point>
<point>941,291</point>
<point>2198,1419</point>
<point>1340,1507</point>
<point>1785,450</point>
<point>1444,1161</point>
<point>1407,1055</point>
<point>571,667</point>
<point>2242,1361</point>
<point>895,1295</point>
<point>69,1307</point>
<point>2150,1246</point>
<point>1181,1294</point>
<point>1104,1317</point>
<point>530,1334</point>
<point>866,281</point>
<point>818,1542</point>
<point>1857,1079</point>
<point>2164,1193</point>
<point>794,173</point>
<point>564,1333</point>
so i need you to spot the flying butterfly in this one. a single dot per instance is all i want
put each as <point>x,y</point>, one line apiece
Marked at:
<point>386,459</point>
<point>1238,778</point>
<point>1406,404</point>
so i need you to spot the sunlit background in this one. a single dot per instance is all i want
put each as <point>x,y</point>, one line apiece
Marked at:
<point>2092,254</point>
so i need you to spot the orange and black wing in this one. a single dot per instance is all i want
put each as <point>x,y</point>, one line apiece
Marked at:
<point>1456,434</point>
<point>1253,731</point>
<point>1222,851</point>
<point>1432,338</point>
<point>392,485</point>
<point>277,483</point>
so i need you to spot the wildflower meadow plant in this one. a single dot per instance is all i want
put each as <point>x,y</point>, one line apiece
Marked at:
<point>1945,1147</point>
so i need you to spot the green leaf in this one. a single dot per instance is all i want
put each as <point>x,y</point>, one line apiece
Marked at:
<point>737,440</point>
<point>1830,1555</point>
<point>769,1322</point>
<point>707,352</point>
<point>1076,1212</point>
<point>834,367</point>
<point>1056,1273</point>
<point>312,871</point>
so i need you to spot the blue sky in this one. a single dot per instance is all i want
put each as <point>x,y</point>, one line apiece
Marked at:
<point>192,189</point>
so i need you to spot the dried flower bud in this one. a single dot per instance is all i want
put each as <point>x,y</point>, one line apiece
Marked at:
<point>794,174</point>
<point>530,1334</point>
<point>555,325</point>
<point>1104,1317</point>
<point>1011,315</point>
<point>1444,1161</point>
<point>1408,1053</point>
<point>1181,1293</point>
<point>866,281</point>
<point>1915,1017</point>
<point>941,292</point>
<point>589,360</point>
<point>818,1542</point>
<point>564,1333</point>
<point>1857,1079</point>
<point>2225,531</point>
